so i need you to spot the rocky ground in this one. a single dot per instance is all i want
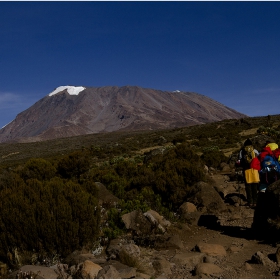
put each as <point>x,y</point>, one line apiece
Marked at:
<point>214,241</point>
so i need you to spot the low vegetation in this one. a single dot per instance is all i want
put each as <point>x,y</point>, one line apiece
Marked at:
<point>49,201</point>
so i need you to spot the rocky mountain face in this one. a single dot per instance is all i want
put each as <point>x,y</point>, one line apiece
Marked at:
<point>71,111</point>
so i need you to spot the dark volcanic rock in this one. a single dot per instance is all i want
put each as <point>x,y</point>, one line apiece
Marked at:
<point>111,108</point>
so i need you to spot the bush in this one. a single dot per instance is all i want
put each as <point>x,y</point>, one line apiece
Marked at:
<point>54,216</point>
<point>213,158</point>
<point>73,165</point>
<point>39,168</point>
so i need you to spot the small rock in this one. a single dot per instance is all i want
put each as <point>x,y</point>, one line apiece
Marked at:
<point>90,270</point>
<point>211,249</point>
<point>248,266</point>
<point>108,272</point>
<point>260,258</point>
<point>162,266</point>
<point>187,207</point>
<point>207,269</point>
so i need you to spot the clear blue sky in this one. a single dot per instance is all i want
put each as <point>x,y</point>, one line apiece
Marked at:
<point>228,51</point>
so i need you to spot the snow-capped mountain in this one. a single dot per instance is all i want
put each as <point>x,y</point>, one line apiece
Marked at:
<point>70,111</point>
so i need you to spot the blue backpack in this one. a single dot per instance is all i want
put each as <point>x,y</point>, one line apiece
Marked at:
<point>269,163</point>
<point>270,171</point>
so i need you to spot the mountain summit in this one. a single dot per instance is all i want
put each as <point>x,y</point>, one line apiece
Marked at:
<point>70,111</point>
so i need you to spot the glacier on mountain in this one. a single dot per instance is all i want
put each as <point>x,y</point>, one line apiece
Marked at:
<point>70,89</point>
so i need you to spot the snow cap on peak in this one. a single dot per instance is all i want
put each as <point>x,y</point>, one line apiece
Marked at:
<point>70,89</point>
<point>177,90</point>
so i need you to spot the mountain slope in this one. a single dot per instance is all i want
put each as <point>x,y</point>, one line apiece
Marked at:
<point>70,111</point>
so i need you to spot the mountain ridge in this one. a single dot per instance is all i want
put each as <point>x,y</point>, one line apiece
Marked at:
<point>111,108</point>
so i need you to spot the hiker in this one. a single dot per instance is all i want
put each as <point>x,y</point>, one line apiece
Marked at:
<point>247,159</point>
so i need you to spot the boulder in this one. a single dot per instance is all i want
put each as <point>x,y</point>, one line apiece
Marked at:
<point>157,220</point>
<point>90,270</point>
<point>105,196</point>
<point>162,266</point>
<point>187,207</point>
<point>211,249</point>
<point>114,248</point>
<point>124,271</point>
<point>108,272</point>
<point>205,196</point>
<point>131,249</point>
<point>260,258</point>
<point>137,222</point>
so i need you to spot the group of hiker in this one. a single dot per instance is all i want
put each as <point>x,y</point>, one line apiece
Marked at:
<point>260,169</point>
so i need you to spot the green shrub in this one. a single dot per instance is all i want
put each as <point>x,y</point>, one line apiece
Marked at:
<point>213,158</point>
<point>38,168</point>
<point>73,165</point>
<point>56,215</point>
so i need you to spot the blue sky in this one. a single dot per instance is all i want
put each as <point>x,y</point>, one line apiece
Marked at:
<point>228,51</point>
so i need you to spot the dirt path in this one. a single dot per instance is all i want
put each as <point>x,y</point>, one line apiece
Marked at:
<point>237,237</point>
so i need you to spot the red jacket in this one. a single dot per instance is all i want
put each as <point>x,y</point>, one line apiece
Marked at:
<point>256,164</point>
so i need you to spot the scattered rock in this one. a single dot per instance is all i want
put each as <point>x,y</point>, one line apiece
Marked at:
<point>40,271</point>
<point>247,266</point>
<point>90,270</point>
<point>205,195</point>
<point>162,266</point>
<point>105,196</point>
<point>207,269</point>
<point>187,207</point>
<point>108,272</point>
<point>137,222</point>
<point>166,242</point>
<point>211,249</point>
<point>189,259</point>
<point>157,220</point>
<point>78,257</point>
<point>260,258</point>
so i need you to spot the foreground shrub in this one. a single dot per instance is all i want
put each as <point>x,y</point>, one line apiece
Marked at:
<point>55,216</point>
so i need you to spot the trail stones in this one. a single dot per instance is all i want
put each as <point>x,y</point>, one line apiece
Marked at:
<point>189,259</point>
<point>211,249</point>
<point>168,242</point>
<point>260,258</point>
<point>207,269</point>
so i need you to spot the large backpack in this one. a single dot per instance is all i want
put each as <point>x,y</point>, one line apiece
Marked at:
<point>270,169</point>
